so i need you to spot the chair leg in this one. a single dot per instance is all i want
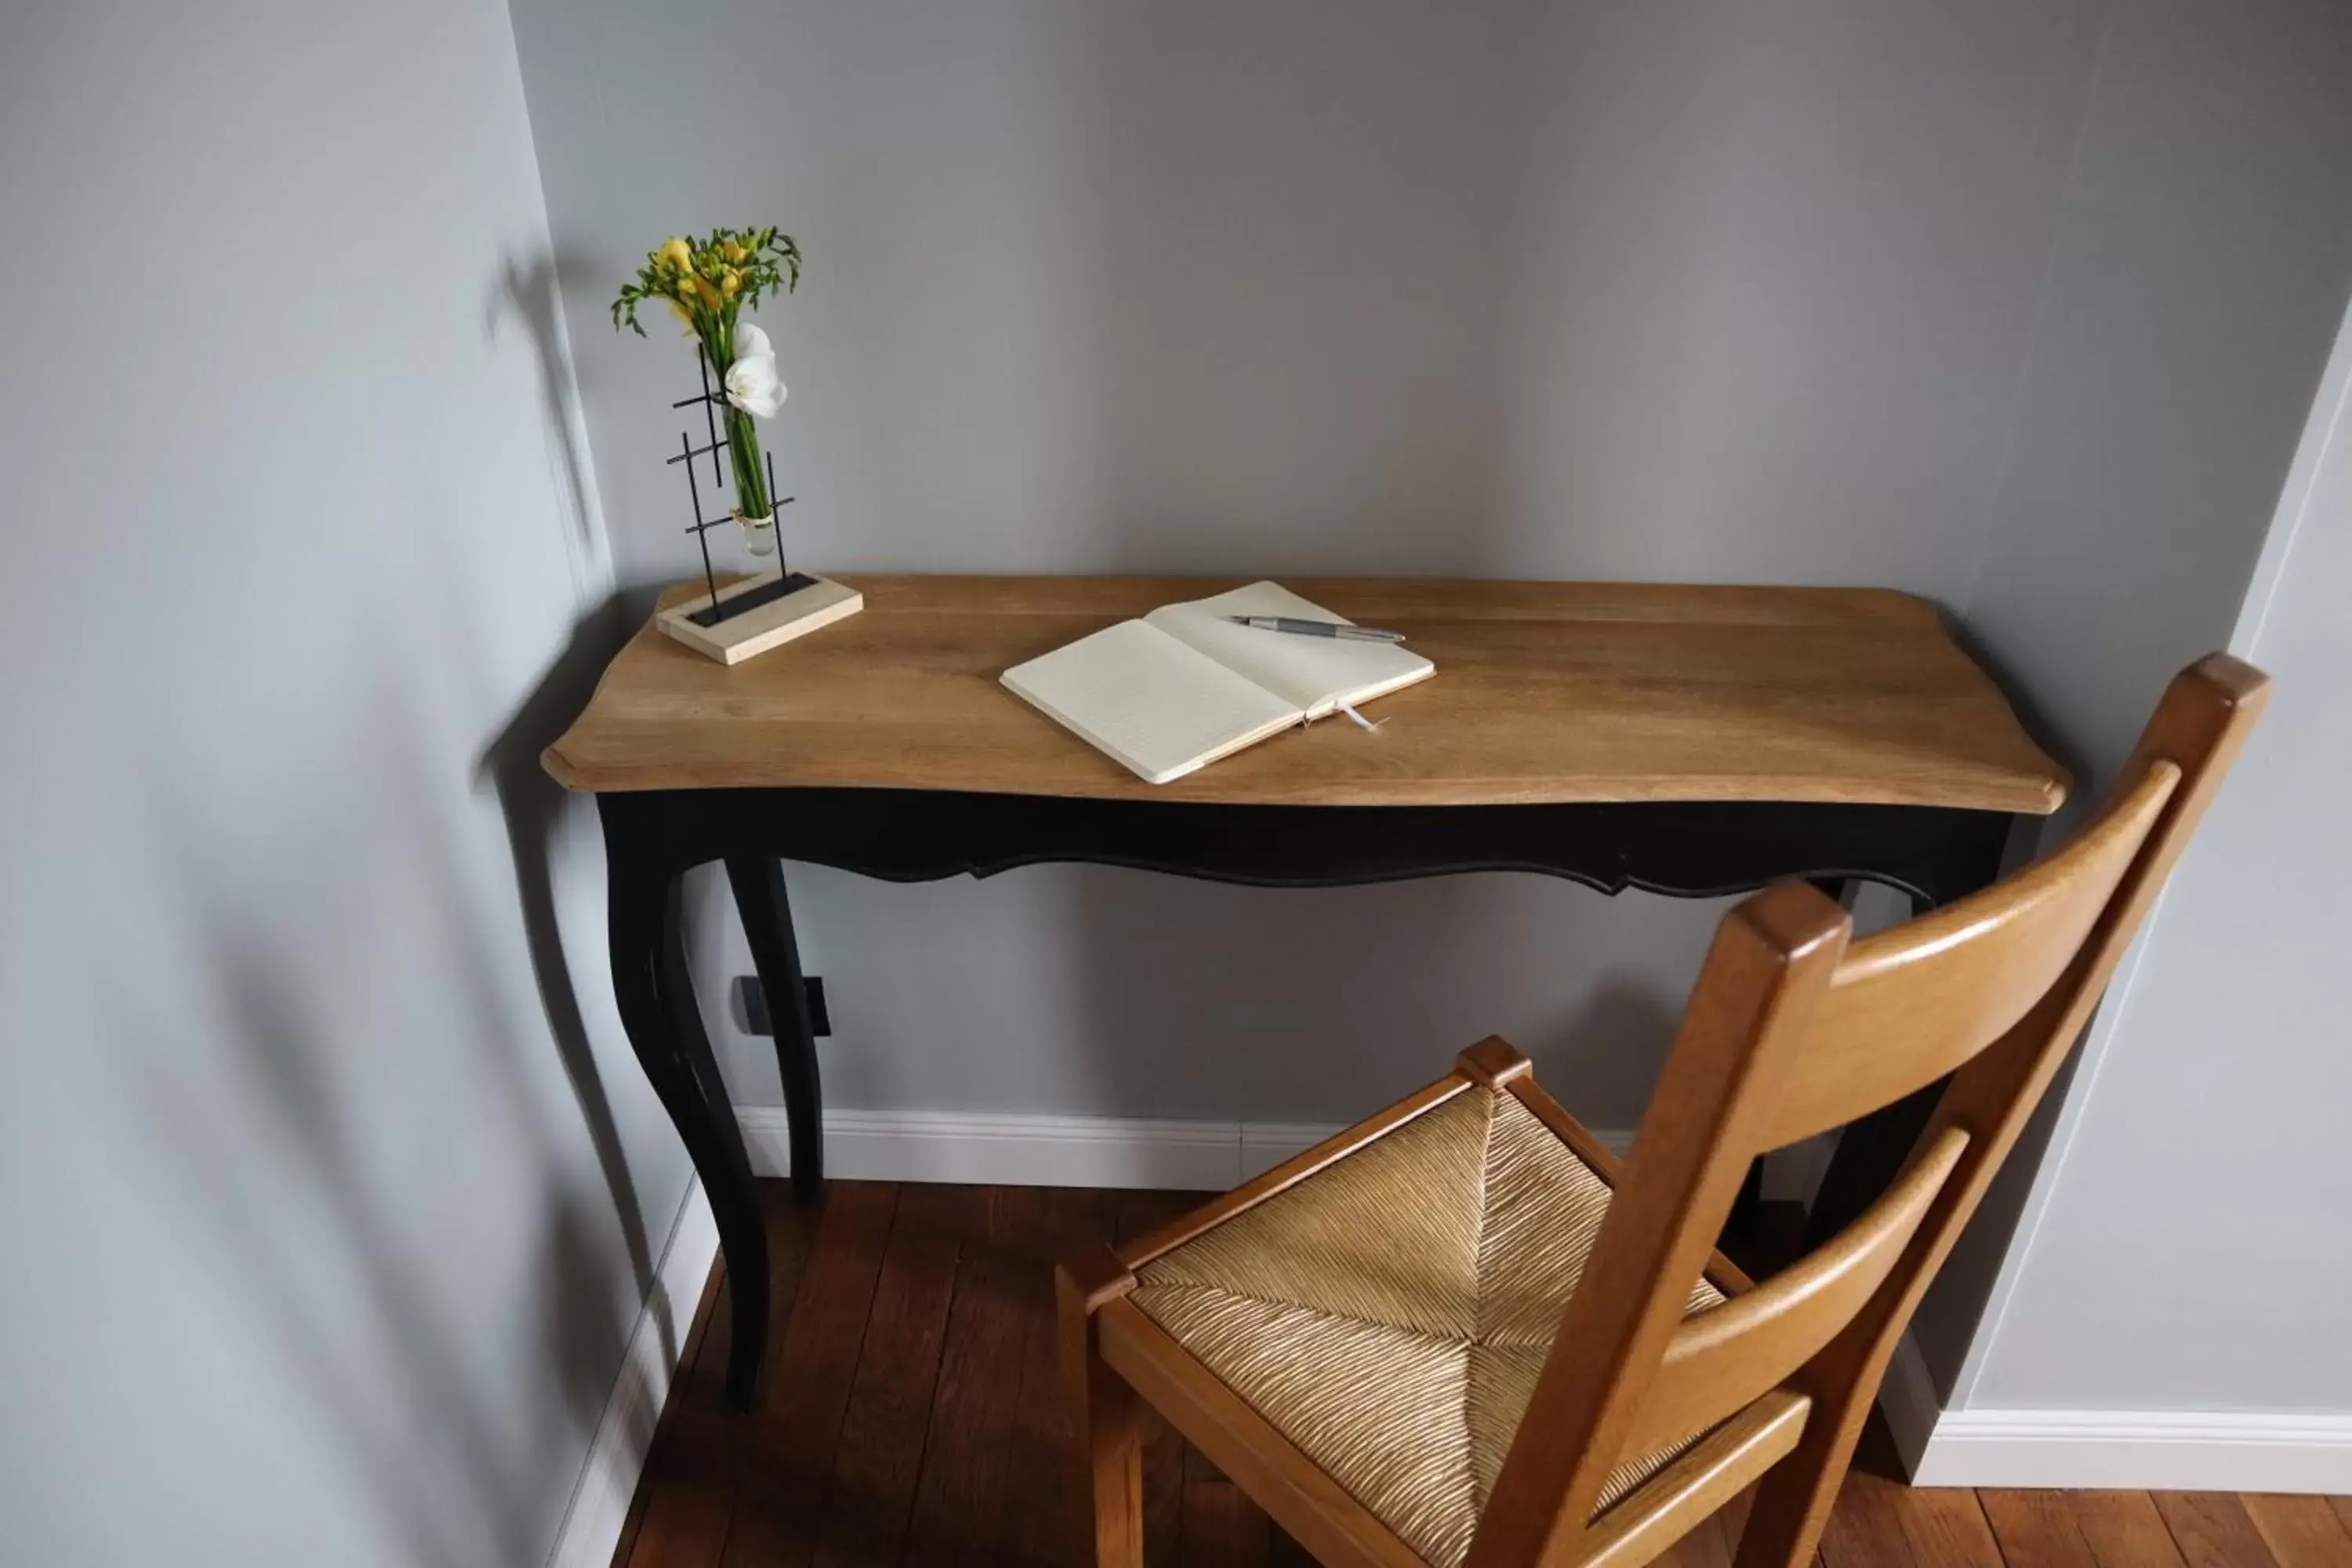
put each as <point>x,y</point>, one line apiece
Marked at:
<point>1794,1500</point>
<point>1106,1426</point>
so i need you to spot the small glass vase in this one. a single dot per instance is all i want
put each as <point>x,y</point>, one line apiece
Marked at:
<point>758,533</point>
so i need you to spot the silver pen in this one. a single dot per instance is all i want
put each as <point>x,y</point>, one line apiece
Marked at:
<point>1297,627</point>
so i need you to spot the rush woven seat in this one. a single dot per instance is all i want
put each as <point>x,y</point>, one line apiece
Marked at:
<point>1390,1314</point>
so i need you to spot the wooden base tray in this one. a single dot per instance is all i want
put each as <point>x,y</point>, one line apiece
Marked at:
<point>785,609</point>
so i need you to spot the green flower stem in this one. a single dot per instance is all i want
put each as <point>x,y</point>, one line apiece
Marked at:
<point>743,450</point>
<point>742,436</point>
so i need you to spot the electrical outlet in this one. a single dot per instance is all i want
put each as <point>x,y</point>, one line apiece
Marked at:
<point>751,1007</point>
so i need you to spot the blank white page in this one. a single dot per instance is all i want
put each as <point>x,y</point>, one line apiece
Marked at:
<point>1316,673</point>
<point>1161,708</point>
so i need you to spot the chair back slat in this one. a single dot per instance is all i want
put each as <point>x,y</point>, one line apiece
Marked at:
<point>1910,1004</point>
<point>1721,1360</point>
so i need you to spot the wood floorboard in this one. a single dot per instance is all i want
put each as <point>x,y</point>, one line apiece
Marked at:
<point>1867,1528</point>
<point>2103,1528</point>
<point>913,1416</point>
<point>1880,1520</point>
<point>785,1449</point>
<point>2037,1530</point>
<point>1281,1552</point>
<point>2301,1531</point>
<point>1040,1226</point>
<point>1223,1529</point>
<point>879,1455</point>
<point>694,1479</point>
<point>1140,1213</point>
<point>1946,1526</point>
<point>2214,1530</point>
<point>959,1499</point>
<point>2123,1530</point>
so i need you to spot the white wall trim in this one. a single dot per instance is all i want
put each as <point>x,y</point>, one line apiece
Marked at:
<point>2140,1450</point>
<point>2132,1451</point>
<point>608,1480</point>
<point>1022,1150</point>
<point>2330,420</point>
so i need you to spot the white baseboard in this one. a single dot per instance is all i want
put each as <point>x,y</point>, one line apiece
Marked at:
<point>1105,1151</point>
<point>1040,1151</point>
<point>2132,1451</point>
<point>1032,1150</point>
<point>608,1480</point>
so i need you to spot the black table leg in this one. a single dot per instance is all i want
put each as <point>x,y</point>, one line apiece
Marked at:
<point>1750,1205</point>
<point>657,1010</point>
<point>767,915</point>
<point>1869,1156</point>
<point>1870,1152</point>
<point>735,1199</point>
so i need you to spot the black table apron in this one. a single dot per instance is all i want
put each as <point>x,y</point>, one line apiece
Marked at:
<point>1687,849</point>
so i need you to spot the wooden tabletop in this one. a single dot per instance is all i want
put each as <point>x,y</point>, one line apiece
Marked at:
<point>1544,692</point>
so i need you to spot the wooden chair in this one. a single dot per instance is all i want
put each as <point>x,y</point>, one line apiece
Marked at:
<point>1461,1333</point>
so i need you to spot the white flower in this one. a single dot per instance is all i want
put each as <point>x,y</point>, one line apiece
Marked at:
<point>750,340</point>
<point>752,384</point>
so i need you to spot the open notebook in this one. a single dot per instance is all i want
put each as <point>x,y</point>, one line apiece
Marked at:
<point>1183,686</point>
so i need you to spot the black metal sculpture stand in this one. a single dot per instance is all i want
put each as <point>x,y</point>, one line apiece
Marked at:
<point>787,580</point>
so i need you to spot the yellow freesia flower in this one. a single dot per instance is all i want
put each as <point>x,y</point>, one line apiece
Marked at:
<point>730,282</point>
<point>675,253</point>
<point>710,296</point>
<point>733,252</point>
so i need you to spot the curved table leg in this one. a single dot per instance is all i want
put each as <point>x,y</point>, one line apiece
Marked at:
<point>657,1010</point>
<point>767,916</point>
<point>1871,1151</point>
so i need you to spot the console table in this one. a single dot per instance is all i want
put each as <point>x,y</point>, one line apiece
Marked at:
<point>1692,741</point>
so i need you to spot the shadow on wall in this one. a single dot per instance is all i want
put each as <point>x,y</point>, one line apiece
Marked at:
<point>532,804</point>
<point>1324,1004</point>
<point>356,1114</point>
<point>332,1264</point>
<point>1626,1023</point>
<point>276,1063</point>
<point>530,291</point>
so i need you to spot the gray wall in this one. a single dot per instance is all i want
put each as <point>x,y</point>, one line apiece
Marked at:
<point>2017,305</point>
<point>321,1235</point>
<point>2195,276</point>
<point>1488,289</point>
<point>2192,1247</point>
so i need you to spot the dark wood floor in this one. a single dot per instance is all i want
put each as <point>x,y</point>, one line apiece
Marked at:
<point>912,1417</point>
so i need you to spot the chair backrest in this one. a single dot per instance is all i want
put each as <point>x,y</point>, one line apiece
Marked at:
<point>1793,1028</point>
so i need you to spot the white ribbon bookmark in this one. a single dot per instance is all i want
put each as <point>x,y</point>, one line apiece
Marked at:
<point>1360,720</point>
